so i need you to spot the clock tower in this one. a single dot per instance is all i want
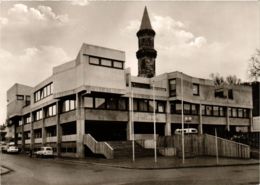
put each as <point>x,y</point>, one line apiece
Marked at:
<point>146,53</point>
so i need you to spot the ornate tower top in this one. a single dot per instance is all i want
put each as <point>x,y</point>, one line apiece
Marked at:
<point>146,54</point>
<point>146,24</point>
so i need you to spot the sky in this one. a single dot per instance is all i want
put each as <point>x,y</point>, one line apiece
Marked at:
<point>195,37</point>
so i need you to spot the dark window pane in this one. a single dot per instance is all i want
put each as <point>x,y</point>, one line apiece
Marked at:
<point>122,104</point>
<point>143,105</point>
<point>195,89</point>
<point>112,103</point>
<point>216,111</point>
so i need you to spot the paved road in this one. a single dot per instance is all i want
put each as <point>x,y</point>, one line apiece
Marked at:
<point>34,171</point>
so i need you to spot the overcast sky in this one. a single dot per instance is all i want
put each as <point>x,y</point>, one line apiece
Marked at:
<point>197,38</point>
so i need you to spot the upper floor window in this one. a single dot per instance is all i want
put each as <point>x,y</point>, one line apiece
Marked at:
<point>106,62</point>
<point>20,97</point>
<point>43,92</point>
<point>172,87</point>
<point>196,89</point>
<point>51,111</point>
<point>145,105</point>
<point>27,119</point>
<point>69,105</point>
<point>38,115</point>
<point>109,103</point>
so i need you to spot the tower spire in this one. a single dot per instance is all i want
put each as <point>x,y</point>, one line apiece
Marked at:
<point>145,24</point>
<point>146,53</point>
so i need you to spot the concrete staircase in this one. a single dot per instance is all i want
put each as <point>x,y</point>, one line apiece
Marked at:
<point>123,149</point>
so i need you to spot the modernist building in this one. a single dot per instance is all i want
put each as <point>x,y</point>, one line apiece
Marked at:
<point>93,95</point>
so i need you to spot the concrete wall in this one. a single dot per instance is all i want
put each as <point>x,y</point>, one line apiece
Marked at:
<point>14,106</point>
<point>106,115</point>
<point>256,124</point>
<point>242,94</point>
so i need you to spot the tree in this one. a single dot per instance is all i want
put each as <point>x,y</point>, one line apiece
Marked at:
<point>254,66</point>
<point>221,81</point>
<point>218,80</point>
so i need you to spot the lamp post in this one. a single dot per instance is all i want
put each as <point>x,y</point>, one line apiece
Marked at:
<point>154,126</point>
<point>182,122</point>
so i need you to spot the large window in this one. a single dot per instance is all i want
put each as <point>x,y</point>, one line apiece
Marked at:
<point>196,89</point>
<point>27,119</point>
<point>69,105</point>
<point>208,110</point>
<point>38,133</point>
<point>20,97</point>
<point>106,62</point>
<point>146,105</point>
<point>109,103</point>
<point>51,111</point>
<point>188,108</point>
<point>43,92</point>
<point>38,115</point>
<point>172,87</point>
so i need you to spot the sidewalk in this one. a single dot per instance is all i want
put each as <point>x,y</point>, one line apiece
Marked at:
<point>165,162</point>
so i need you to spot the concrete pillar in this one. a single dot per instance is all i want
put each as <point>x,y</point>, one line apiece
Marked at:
<point>227,118</point>
<point>167,130</point>
<point>32,132</point>
<point>23,139</point>
<point>58,130</point>
<point>200,120</point>
<point>43,128</point>
<point>80,122</point>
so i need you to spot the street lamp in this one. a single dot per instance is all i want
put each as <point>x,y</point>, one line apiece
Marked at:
<point>154,125</point>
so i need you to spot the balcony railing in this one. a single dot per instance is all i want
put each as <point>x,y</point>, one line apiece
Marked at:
<point>51,139</point>
<point>72,137</point>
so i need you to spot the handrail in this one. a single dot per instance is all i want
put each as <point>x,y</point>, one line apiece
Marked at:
<point>234,142</point>
<point>98,147</point>
<point>108,146</point>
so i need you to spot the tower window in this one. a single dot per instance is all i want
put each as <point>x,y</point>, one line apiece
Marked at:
<point>172,87</point>
<point>196,89</point>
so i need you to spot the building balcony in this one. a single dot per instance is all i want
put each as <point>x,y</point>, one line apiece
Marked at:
<point>27,141</point>
<point>38,140</point>
<point>106,115</point>
<point>51,139</point>
<point>72,137</point>
<point>27,127</point>
<point>68,116</point>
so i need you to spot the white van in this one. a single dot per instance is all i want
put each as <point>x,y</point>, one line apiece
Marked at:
<point>186,131</point>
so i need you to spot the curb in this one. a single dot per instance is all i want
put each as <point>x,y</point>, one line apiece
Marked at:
<point>158,168</point>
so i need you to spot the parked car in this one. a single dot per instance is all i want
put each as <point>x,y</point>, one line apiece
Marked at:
<point>186,131</point>
<point>12,149</point>
<point>45,151</point>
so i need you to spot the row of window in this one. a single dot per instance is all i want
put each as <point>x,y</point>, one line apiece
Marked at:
<point>146,105</point>
<point>43,92</point>
<point>106,62</point>
<point>208,110</point>
<point>50,111</point>
<point>23,97</point>
<point>220,93</point>
<point>110,103</point>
